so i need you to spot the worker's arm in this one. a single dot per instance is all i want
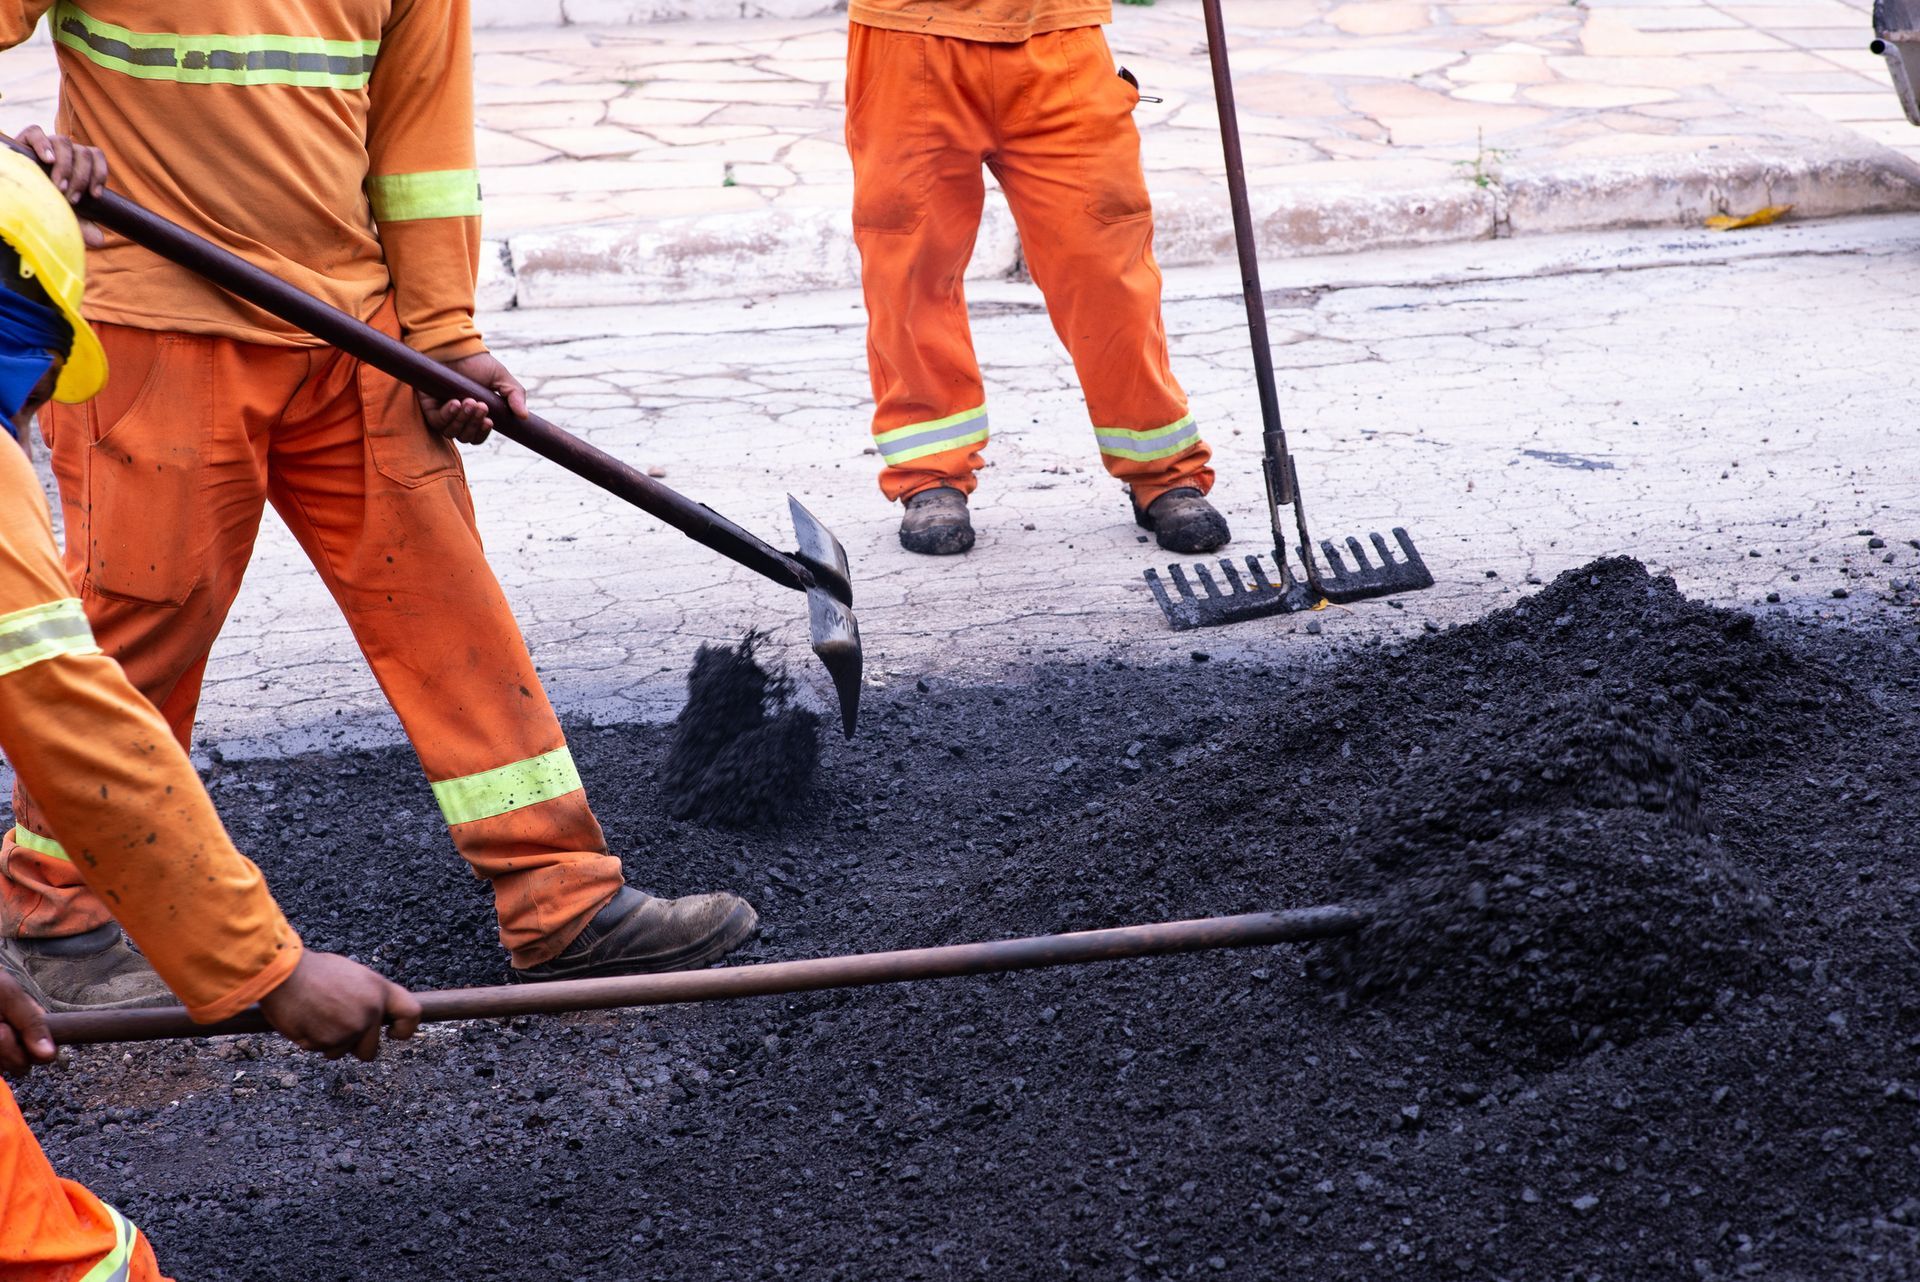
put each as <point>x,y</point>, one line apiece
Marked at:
<point>423,180</point>
<point>126,807</point>
<point>18,18</point>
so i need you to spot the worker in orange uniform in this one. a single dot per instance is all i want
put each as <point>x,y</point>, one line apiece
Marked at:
<point>116,786</point>
<point>329,142</point>
<point>936,88</point>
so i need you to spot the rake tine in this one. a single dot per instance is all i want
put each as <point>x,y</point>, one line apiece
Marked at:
<point>1361,567</point>
<point>1206,580</point>
<point>1406,545</point>
<point>1233,578</point>
<point>1258,573</point>
<point>1180,583</point>
<point>1380,546</point>
<point>1337,567</point>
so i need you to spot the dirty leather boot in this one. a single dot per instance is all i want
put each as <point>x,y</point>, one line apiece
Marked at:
<point>1183,521</point>
<point>936,523</point>
<point>636,934</point>
<point>98,970</point>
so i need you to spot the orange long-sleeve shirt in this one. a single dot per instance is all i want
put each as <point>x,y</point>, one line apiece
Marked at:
<point>117,789</point>
<point>327,141</point>
<point>997,21</point>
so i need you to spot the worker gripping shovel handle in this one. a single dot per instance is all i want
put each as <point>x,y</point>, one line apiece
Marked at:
<point>858,970</point>
<point>818,567</point>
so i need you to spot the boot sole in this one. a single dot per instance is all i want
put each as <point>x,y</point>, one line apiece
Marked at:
<point>741,925</point>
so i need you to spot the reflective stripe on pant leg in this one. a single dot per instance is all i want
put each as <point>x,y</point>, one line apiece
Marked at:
<point>1148,445</point>
<point>29,840</point>
<point>507,788</point>
<point>114,1265</point>
<point>901,445</point>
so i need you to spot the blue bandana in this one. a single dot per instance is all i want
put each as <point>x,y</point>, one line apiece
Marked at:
<point>30,333</point>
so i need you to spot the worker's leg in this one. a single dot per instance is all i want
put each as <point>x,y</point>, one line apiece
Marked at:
<point>52,1228</point>
<point>1069,159</point>
<point>381,506</point>
<point>162,487</point>
<point>917,133</point>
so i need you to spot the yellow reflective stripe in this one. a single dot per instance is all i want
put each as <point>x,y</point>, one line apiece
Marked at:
<point>1150,445</point>
<point>508,788</point>
<point>215,59</point>
<point>40,845</point>
<point>117,1263</point>
<point>439,193</point>
<point>42,632</point>
<point>917,440</point>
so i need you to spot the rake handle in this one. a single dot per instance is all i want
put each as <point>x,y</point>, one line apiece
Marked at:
<point>271,294</point>
<point>816,974</point>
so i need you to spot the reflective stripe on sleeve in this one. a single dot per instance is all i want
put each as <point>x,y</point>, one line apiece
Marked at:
<point>439,193</point>
<point>42,632</point>
<point>39,845</point>
<point>900,445</point>
<point>1151,444</point>
<point>117,1263</point>
<point>508,788</point>
<point>305,61</point>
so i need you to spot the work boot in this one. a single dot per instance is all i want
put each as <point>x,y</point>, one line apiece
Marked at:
<point>1183,521</point>
<point>936,523</point>
<point>637,934</point>
<point>98,970</point>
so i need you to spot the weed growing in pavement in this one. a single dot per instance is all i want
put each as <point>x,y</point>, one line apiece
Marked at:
<point>1483,170</point>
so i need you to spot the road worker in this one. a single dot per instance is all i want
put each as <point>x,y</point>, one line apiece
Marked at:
<point>115,784</point>
<point>935,89</point>
<point>332,145</point>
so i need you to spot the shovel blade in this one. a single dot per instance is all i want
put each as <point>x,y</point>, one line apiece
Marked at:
<point>834,630</point>
<point>1196,599</point>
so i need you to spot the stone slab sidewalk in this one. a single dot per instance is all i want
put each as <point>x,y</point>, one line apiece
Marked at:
<point>631,160</point>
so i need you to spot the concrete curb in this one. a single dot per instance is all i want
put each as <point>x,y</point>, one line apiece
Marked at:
<point>627,13</point>
<point>781,251</point>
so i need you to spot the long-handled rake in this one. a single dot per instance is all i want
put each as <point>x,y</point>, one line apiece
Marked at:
<point>1259,594</point>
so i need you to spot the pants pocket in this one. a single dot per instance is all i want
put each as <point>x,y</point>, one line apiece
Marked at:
<point>403,448</point>
<point>888,136</point>
<point>1116,185</point>
<point>146,526</point>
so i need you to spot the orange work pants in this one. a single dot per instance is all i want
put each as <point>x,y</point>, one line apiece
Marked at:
<point>1054,121</point>
<point>53,1230</point>
<point>163,479</point>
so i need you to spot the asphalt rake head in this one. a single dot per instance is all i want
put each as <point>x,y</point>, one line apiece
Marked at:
<point>1196,598</point>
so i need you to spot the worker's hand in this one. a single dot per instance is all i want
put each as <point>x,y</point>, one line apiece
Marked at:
<point>467,420</point>
<point>24,1040</point>
<point>77,170</point>
<point>336,1006</point>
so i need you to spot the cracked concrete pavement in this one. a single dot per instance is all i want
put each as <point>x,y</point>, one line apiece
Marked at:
<point>1730,408</point>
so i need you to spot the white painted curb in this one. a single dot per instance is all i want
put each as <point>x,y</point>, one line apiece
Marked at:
<point>774,252</point>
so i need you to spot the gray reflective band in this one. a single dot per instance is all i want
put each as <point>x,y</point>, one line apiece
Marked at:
<point>917,440</point>
<point>308,61</point>
<point>43,632</point>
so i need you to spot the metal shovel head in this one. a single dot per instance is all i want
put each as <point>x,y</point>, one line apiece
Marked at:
<point>835,632</point>
<point>1196,599</point>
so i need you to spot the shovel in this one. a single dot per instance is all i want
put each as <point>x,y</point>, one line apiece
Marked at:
<point>1232,599</point>
<point>818,567</point>
<point>815,974</point>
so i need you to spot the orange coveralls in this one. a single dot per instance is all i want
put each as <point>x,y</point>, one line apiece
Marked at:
<point>936,88</point>
<point>126,803</point>
<point>330,142</point>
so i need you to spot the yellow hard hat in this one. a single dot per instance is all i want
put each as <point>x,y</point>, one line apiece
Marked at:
<point>40,225</point>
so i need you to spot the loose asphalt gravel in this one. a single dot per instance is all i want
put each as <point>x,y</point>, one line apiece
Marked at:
<point>1641,1002</point>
